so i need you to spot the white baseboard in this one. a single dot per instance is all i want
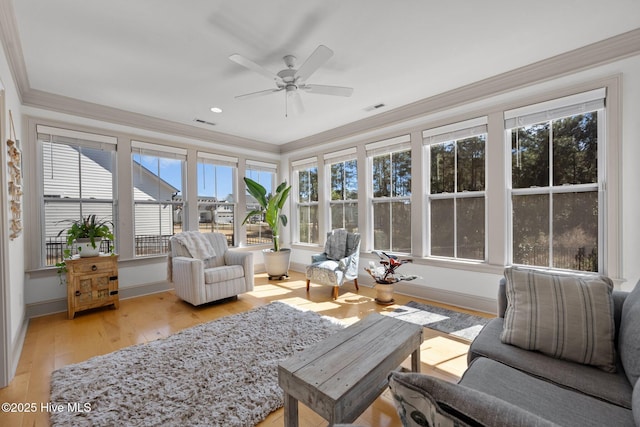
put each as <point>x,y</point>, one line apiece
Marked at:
<point>458,299</point>
<point>60,305</point>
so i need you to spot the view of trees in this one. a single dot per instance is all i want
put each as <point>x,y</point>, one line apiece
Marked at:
<point>344,195</point>
<point>308,204</point>
<point>555,223</point>
<point>392,214</point>
<point>458,220</point>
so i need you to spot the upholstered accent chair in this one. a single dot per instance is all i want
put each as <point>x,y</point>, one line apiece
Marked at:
<point>338,263</point>
<point>203,269</point>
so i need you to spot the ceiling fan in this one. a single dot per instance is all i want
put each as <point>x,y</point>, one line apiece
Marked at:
<point>291,80</point>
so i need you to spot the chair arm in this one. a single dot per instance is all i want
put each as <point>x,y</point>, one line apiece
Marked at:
<point>318,258</point>
<point>349,265</point>
<point>245,259</point>
<point>419,393</point>
<point>188,279</point>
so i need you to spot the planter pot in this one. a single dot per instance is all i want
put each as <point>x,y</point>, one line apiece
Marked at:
<point>277,263</point>
<point>384,293</point>
<point>86,249</point>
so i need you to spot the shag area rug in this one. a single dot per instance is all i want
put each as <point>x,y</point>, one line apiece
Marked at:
<point>455,323</point>
<point>220,373</point>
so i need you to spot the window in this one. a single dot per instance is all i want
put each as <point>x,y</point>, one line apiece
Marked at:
<point>456,189</point>
<point>391,178</point>
<point>555,176</point>
<point>343,203</point>
<point>258,232</point>
<point>306,178</point>
<point>77,180</point>
<point>158,180</point>
<point>216,194</point>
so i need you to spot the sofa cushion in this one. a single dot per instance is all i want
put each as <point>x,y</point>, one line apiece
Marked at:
<point>556,404</point>
<point>611,387</point>
<point>222,274</point>
<point>567,316</point>
<point>629,336</point>
<point>422,400</point>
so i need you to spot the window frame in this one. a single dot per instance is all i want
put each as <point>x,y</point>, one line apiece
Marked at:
<point>388,147</point>
<point>259,167</point>
<point>297,167</point>
<point>452,134</point>
<point>81,140</point>
<point>331,159</point>
<point>216,160</point>
<point>160,152</point>
<point>552,110</point>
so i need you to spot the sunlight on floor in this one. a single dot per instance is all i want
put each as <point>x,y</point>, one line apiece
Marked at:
<point>266,291</point>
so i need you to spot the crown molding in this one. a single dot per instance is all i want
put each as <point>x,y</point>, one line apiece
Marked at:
<point>12,46</point>
<point>49,101</point>
<point>612,49</point>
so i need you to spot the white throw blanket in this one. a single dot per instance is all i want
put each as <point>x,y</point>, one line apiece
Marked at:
<point>195,243</point>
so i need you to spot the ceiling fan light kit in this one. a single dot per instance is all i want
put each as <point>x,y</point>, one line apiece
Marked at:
<point>291,79</point>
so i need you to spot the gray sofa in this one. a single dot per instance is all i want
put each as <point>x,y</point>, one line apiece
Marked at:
<point>506,385</point>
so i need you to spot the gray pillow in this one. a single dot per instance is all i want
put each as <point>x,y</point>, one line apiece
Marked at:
<point>336,245</point>
<point>567,316</point>
<point>422,400</point>
<point>629,335</point>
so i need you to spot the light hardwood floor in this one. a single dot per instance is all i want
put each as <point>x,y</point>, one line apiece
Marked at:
<point>54,341</point>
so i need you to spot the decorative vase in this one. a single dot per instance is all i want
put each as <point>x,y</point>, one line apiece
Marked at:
<point>86,249</point>
<point>384,293</point>
<point>277,263</point>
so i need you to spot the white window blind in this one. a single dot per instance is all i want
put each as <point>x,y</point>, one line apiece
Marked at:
<point>555,109</point>
<point>399,143</point>
<point>342,155</point>
<point>72,137</point>
<point>256,165</point>
<point>455,131</point>
<point>305,163</point>
<point>158,150</point>
<point>217,159</point>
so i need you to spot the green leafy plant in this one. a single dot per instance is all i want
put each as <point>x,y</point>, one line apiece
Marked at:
<point>90,227</point>
<point>270,205</point>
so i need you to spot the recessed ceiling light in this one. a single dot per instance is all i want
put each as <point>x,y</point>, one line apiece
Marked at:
<point>216,109</point>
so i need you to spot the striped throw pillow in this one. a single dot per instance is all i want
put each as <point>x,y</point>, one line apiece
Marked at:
<point>561,315</point>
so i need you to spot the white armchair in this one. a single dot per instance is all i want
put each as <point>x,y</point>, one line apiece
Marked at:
<point>214,273</point>
<point>338,263</point>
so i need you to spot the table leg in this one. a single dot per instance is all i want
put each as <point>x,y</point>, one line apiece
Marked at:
<point>415,360</point>
<point>290,411</point>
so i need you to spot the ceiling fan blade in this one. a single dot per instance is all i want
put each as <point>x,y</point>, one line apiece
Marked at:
<point>257,94</point>
<point>328,90</point>
<point>315,61</point>
<point>247,63</point>
<point>296,101</point>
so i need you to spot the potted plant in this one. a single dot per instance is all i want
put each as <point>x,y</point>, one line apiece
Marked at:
<point>87,233</point>
<point>385,276</point>
<point>276,259</point>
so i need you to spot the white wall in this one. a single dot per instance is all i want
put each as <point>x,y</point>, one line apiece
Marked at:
<point>476,285</point>
<point>15,248</point>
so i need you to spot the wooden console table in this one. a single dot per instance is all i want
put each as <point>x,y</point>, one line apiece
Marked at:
<point>341,376</point>
<point>91,282</point>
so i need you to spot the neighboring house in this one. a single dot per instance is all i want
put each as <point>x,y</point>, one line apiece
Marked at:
<point>96,166</point>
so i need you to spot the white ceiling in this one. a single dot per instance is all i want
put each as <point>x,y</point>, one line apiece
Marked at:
<point>168,59</point>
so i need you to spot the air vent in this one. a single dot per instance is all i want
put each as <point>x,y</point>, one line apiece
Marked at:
<point>204,122</point>
<point>375,107</point>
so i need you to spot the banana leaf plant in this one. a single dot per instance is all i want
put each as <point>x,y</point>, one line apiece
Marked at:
<point>270,206</point>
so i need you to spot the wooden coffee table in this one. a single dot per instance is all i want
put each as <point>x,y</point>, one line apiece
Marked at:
<point>341,376</point>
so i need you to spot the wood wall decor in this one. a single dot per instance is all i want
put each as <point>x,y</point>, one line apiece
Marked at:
<point>15,181</point>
